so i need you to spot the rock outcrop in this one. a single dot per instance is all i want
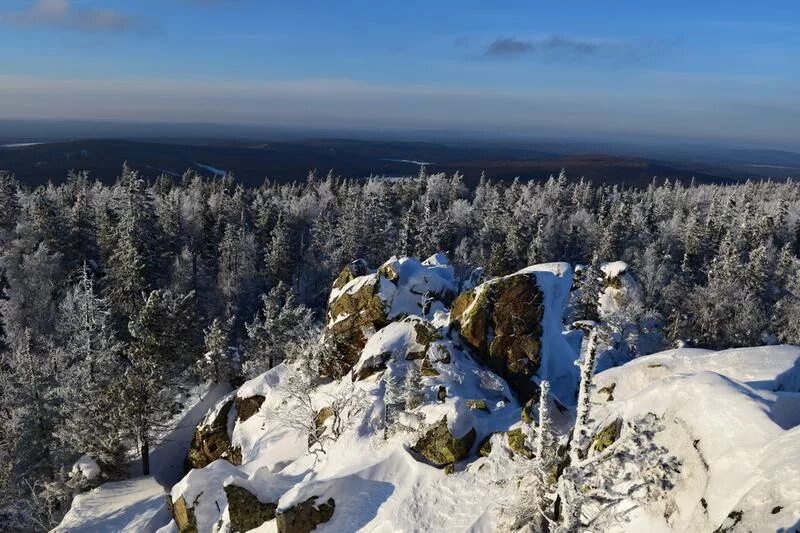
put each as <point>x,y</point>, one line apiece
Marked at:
<point>247,407</point>
<point>409,338</point>
<point>183,515</point>
<point>441,448</point>
<point>362,302</point>
<point>305,516</point>
<point>501,320</point>
<point>246,512</point>
<point>211,441</point>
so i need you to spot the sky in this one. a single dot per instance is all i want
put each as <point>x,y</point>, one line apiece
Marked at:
<point>617,68</point>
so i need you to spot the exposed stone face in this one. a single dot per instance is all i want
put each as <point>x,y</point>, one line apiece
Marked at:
<point>247,407</point>
<point>516,441</point>
<point>441,448</point>
<point>352,313</point>
<point>478,405</point>
<point>245,510</point>
<point>319,424</point>
<point>304,517</point>
<point>212,442</point>
<point>183,515</point>
<point>502,321</point>
<point>607,436</point>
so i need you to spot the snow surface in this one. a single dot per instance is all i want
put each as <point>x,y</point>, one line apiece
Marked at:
<point>725,424</point>
<point>87,467</point>
<point>132,506</point>
<point>614,269</point>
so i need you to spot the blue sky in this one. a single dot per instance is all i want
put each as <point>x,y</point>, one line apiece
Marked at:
<point>718,70</point>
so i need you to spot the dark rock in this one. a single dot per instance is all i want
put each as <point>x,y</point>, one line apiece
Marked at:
<point>245,510</point>
<point>183,515</point>
<point>247,407</point>
<point>441,448</point>
<point>212,442</point>
<point>501,321</point>
<point>304,517</point>
<point>441,393</point>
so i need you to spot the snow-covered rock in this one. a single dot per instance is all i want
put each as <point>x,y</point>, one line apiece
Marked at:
<point>86,467</point>
<point>725,420</point>
<point>362,302</point>
<point>514,323</point>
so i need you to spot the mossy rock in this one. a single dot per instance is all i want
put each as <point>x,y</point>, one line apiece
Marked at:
<point>607,436</point>
<point>516,441</point>
<point>247,407</point>
<point>183,515</point>
<point>319,424</point>
<point>212,442</point>
<point>501,320</point>
<point>350,272</point>
<point>305,516</point>
<point>485,447</point>
<point>478,405</point>
<point>441,448</point>
<point>245,510</point>
<point>390,270</point>
<point>352,315</point>
<point>427,370</point>
<point>527,412</point>
<point>608,391</point>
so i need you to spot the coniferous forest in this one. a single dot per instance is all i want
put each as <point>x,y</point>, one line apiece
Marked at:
<point>114,298</point>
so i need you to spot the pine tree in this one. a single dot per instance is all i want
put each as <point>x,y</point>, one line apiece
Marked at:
<point>164,345</point>
<point>86,363</point>
<point>217,363</point>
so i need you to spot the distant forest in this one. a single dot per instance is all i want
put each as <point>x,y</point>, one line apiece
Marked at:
<point>109,292</point>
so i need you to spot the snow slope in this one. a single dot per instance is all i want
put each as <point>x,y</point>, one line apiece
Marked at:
<point>131,506</point>
<point>726,422</point>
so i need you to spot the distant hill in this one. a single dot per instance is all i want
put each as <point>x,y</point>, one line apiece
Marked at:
<point>252,163</point>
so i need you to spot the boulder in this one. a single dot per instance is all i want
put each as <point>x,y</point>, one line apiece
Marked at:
<point>478,405</point>
<point>363,301</point>
<point>606,437</point>
<point>409,338</point>
<point>305,516</point>
<point>211,442</point>
<point>441,448</point>
<point>501,320</point>
<point>183,515</point>
<point>355,312</point>
<point>245,510</point>
<point>517,442</point>
<point>247,407</point>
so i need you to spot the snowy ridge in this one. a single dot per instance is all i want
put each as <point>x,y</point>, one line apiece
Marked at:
<point>722,424</point>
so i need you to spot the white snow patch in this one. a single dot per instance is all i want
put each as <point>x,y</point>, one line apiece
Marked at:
<point>131,506</point>
<point>87,467</point>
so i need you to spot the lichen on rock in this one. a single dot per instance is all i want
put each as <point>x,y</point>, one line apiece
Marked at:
<point>245,510</point>
<point>441,448</point>
<point>212,442</point>
<point>501,320</point>
<point>247,407</point>
<point>305,516</point>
